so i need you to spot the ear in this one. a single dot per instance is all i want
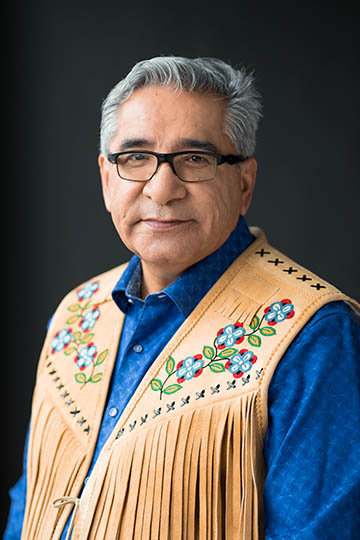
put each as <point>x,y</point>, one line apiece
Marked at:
<point>105,180</point>
<point>248,177</point>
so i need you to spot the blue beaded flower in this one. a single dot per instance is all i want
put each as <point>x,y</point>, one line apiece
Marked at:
<point>230,335</point>
<point>89,319</point>
<point>61,340</point>
<point>279,312</point>
<point>191,367</point>
<point>87,290</point>
<point>85,356</point>
<point>241,362</point>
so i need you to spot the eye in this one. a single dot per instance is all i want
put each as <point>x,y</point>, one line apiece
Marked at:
<point>136,157</point>
<point>195,158</point>
<point>132,160</point>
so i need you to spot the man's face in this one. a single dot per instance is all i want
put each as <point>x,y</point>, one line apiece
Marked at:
<point>168,223</point>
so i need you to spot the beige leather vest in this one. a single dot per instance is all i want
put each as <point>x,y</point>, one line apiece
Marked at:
<point>185,460</point>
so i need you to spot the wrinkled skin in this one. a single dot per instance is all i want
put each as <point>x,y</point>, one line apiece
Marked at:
<point>170,224</point>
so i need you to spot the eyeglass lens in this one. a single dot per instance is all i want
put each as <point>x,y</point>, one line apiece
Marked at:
<point>190,167</point>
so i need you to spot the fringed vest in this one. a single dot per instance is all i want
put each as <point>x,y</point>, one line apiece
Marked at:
<point>185,460</point>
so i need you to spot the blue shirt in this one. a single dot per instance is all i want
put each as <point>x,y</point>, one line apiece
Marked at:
<point>310,489</point>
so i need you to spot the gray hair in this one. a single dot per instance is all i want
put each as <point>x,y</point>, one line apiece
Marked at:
<point>207,75</point>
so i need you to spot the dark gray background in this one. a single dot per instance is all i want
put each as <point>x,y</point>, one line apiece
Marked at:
<point>63,57</point>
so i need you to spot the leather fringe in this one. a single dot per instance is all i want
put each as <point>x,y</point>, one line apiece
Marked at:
<point>45,480</point>
<point>196,477</point>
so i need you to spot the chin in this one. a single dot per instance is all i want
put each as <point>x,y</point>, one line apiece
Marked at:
<point>168,255</point>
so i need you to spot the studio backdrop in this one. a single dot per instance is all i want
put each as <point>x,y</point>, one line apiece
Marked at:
<point>62,59</point>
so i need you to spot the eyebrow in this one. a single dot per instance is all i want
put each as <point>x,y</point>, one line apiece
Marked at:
<point>182,143</point>
<point>131,143</point>
<point>200,144</point>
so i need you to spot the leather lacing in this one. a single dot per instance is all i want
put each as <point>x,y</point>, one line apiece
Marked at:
<point>62,501</point>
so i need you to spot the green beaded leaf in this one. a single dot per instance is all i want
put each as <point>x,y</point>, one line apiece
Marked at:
<point>102,356</point>
<point>217,367</point>
<point>170,364</point>
<point>87,338</point>
<point>227,352</point>
<point>69,350</point>
<point>74,307</point>
<point>172,388</point>
<point>73,319</point>
<point>267,331</point>
<point>156,384</point>
<point>208,352</point>
<point>254,323</point>
<point>77,335</point>
<point>255,341</point>
<point>96,378</point>
<point>80,378</point>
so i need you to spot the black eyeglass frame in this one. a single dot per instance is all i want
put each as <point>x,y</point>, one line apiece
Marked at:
<point>231,159</point>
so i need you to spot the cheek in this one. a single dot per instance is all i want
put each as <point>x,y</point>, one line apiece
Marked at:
<point>220,207</point>
<point>123,202</point>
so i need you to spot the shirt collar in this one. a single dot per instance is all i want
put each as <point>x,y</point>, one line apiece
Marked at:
<point>187,291</point>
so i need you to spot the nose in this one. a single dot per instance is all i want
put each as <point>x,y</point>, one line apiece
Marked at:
<point>164,186</point>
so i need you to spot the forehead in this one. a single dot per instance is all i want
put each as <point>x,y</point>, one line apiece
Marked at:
<point>163,115</point>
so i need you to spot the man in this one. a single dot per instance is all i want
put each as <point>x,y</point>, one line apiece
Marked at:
<point>206,389</point>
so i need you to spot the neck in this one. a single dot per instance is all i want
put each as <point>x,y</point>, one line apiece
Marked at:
<point>155,278</point>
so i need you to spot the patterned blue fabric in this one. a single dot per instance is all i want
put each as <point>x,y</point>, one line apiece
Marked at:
<point>312,447</point>
<point>310,487</point>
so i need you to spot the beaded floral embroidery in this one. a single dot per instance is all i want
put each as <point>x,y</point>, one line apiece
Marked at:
<point>224,354</point>
<point>80,342</point>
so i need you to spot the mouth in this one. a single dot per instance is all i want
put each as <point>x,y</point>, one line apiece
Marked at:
<point>164,224</point>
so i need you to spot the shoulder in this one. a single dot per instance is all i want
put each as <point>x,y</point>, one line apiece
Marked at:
<point>324,353</point>
<point>334,322</point>
<point>318,303</point>
<point>102,283</point>
<point>94,291</point>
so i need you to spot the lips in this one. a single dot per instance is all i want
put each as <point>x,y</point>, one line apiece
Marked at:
<point>167,220</point>
<point>164,224</point>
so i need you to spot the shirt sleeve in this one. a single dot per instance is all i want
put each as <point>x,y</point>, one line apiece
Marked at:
<point>17,503</point>
<point>312,447</point>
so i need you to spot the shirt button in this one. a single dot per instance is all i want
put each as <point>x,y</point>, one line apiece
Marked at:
<point>113,411</point>
<point>162,295</point>
<point>130,301</point>
<point>138,348</point>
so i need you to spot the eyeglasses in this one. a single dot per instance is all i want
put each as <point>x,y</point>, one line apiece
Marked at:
<point>196,166</point>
